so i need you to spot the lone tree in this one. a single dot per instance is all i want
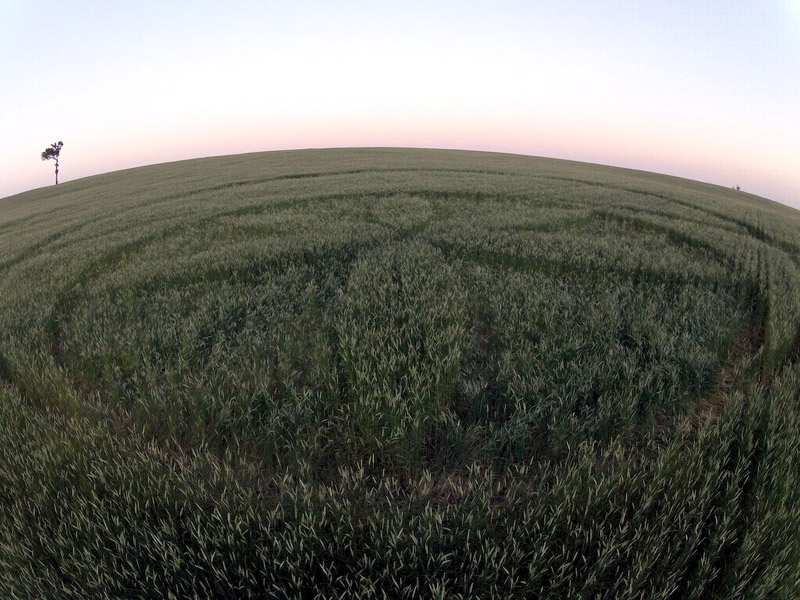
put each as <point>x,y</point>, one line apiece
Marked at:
<point>53,152</point>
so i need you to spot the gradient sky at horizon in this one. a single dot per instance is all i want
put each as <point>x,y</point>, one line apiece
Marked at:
<point>704,89</point>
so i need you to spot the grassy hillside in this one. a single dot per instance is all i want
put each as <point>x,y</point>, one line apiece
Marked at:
<point>398,373</point>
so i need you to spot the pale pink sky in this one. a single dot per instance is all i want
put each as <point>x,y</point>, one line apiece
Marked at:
<point>704,89</point>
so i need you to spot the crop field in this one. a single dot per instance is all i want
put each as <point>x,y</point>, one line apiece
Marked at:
<point>386,373</point>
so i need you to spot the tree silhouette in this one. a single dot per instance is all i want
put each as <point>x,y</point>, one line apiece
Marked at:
<point>53,152</point>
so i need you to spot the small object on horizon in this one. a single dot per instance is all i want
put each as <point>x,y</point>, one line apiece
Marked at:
<point>54,151</point>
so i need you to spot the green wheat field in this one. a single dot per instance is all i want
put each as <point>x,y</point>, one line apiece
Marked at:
<point>380,373</point>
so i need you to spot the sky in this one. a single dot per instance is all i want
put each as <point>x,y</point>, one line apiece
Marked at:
<point>703,89</point>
